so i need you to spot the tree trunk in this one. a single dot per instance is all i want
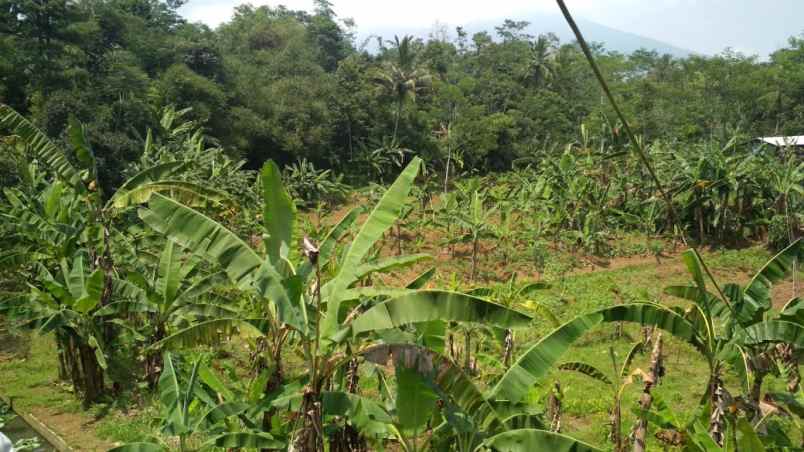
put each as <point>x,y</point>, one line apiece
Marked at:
<point>396,120</point>
<point>73,358</point>
<point>616,425</point>
<point>311,436</point>
<point>348,438</point>
<point>273,383</point>
<point>645,401</point>
<point>701,228</point>
<point>717,417</point>
<point>398,239</point>
<point>153,362</point>
<point>474,258</point>
<point>554,408</point>
<point>62,354</point>
<point>92,373</point>
<point>467,352</point>
<point>509,348</point>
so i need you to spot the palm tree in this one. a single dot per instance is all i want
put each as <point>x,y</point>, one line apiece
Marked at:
<point>401,79</point>
<point>542,63</point>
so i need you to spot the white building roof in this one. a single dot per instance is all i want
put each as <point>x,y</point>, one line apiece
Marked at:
<point>793,140</point>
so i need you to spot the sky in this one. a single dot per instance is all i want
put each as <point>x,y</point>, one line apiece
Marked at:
<point>754,27</point>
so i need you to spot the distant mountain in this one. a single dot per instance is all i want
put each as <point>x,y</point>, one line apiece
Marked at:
<point>612,38</point>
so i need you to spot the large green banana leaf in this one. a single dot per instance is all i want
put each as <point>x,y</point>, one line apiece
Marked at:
<point>383,216</point>
<point>207,332</point>
<point>203,236</point>
<point>772,331</point>
<point>243,440</point>
<point>415,398</point>
<point>39,144</point>
<point>793,311</point>
<point>714,304</point>
<point>381,219</point>
<point>429,305</point>
<point>757,292</point>
<point>538,360</point>
<point>285,296</point>
<point>187,193</point>
<point>531,440</point>
<point>139,447</point>
<point>279,213</point>
<point>169,273</point>
<point>389,263</point>
<point>201,287</point>
<point>585,369</point>
<point>152,174</point>
<point>365,414</point>
<point>440,372</point>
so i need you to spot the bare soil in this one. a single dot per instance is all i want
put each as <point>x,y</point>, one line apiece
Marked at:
<point>77,429</point>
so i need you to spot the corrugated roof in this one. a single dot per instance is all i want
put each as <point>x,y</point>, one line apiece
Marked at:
<point>793,140</point>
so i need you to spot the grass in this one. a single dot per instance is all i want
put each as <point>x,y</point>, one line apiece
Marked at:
<point>28,375</point>
<point>31,380</point>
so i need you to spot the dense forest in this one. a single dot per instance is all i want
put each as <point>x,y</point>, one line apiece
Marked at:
<point>272,236</point>
<point>287,85</point>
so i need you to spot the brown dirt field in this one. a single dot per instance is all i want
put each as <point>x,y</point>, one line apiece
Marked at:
<point>77,429</point>
<point>782,293</point>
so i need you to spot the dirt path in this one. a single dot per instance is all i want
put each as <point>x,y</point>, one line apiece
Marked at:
<point>77,429</point>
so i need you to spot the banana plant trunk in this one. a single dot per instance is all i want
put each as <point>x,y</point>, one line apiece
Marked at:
<point>509,347</point>
<point>153,362</point>
<point>554,408</point>
<point>646,400</point>
<point>273,384</point>
<point>616,424</point>
<point>92,375</point>
<point>701,227</point>
<point>717,417</point>
<point>310,438</point>
<point>348,438</point>
<point>474,257</point>
<point>62,351</point>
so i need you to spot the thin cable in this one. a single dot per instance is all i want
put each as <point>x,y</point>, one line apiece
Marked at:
<point>631,137</point>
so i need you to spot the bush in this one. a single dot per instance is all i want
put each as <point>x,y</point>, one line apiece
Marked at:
<point>309,185</point>
<point>777,232</point>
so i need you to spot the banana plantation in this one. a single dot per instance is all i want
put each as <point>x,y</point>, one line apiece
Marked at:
<point>606,291</point>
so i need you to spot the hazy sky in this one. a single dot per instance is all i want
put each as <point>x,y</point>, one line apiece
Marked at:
<point>704,26</point>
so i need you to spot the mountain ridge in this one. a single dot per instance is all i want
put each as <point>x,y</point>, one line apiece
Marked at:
<point>612,38</point>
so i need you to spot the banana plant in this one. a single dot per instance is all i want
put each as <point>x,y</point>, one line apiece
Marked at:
<point>737,322</point>
<point>713,325</point>
<point>622,378</point>
<point>461,416</point>
<point>64,302</point>
<point>740,434</point>
<point>476,222</point>
<point>170,299</point>
<point>189,408</point>
<point>80,181</point>
<point>328,318</point>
